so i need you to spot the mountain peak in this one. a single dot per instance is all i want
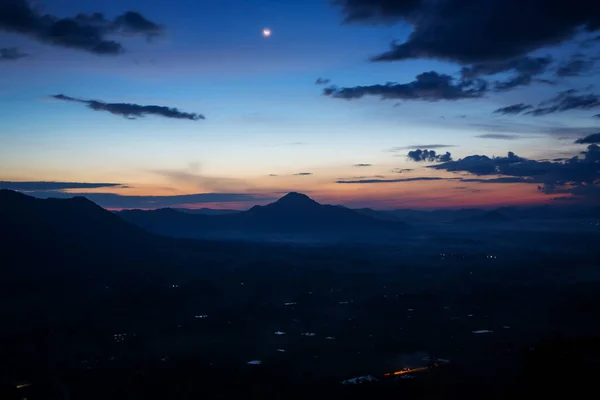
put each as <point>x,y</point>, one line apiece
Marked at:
<point>296,199</point>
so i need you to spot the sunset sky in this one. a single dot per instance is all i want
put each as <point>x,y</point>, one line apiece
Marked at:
<point>248,118</point>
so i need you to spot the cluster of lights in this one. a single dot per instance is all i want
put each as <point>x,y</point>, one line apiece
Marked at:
<point>119,337</point>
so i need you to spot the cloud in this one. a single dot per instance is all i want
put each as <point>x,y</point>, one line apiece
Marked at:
<point>402,170</point>
<point>11,54</point>
<point>496,180</point>
<point>132,111</point>
<point>424,178</point>
<point>110,200</point>
<point>499,136</point>
<point>44,186</point>
<point>471,32</point>
<point>420,146</point>
<point>566,101</point>
<point>593,138</point>
<point>428,155</point>
<point>522,66</point>
<point>135,23</point>
<point>428,86</point>
<point>91,33</point>
<point>567,176</point>
<point>322,81</point>
<point>362,165</point>
<point>273,175</point>
<point>524,70</point>
<point>303,174</point>
<point>192,177</point>
<point>576,66</point>
<point>514,109</point>
<point>364,177</point>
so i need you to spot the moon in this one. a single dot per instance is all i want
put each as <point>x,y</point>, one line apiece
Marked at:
<point>266,32</point>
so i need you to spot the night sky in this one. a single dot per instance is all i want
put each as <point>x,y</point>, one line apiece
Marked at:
<point>365,103</point>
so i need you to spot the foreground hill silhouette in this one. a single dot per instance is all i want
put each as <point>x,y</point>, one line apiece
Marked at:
<point>295,215</point>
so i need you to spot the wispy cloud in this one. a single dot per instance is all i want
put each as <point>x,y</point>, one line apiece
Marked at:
<point>11,54</point>
<point>420,146</point>
<point>499,136</point>
<point>362,165</point>
<point>428,86</point>
<point>303,174</point>
<point>132,111</point>
<point>363,181</point>
<point>110,200</point>
<point>30,186</point>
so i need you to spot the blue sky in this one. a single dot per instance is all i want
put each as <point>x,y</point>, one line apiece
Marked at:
<point>264,114</point>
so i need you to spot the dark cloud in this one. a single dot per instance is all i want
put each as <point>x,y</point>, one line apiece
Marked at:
<point>135,23</point>
<point>470,32</point>
<point>523,69</point>
<point>496,180</point>
<point>419,155</point>
<point>428,86</point>
<point>303,174</point>
<point>597,115</point>
<point>593,138</point>
<point>566,101</point>
<point>401,170</point>
<point>132,111</point>
<point>425,178</point>
<point>11,54</point>
<point>273,175</point>
<point>92,33</point>
<point>575,67</point>
<point>110,200</point>
<point>499,136</point>
<point>421,146</point>
<point>44,186</point>
<point>376,11</point>
<point>514,109</point>
<point>322,81</point>
<point>521,66</point>
<point>362,165</point>
<point>567,176</point>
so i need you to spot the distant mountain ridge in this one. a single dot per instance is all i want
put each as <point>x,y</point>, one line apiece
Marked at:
<point>293,214</point>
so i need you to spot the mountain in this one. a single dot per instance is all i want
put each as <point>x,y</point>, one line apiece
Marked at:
<point>292,215</point>
<point>206,211</point>
<point>384,215</point>
<point>490,217</point>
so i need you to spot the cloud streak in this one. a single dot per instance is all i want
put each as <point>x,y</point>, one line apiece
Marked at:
<point>428,86</point>
<point>421,146</point>
<point>92,33</point>
<point>132,111</point>
<point>567,101</point>
<point>499,136</point>
<point>365,181</point>
<point>513,109</point>
<point>11,54</point>
<point>44,185</point>
<point>115,201</point>
<point>322,81</point>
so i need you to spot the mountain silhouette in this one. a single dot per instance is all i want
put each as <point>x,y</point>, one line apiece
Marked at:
<point>53,220</point>
<point>293,214</point>
<point>490,217</point>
